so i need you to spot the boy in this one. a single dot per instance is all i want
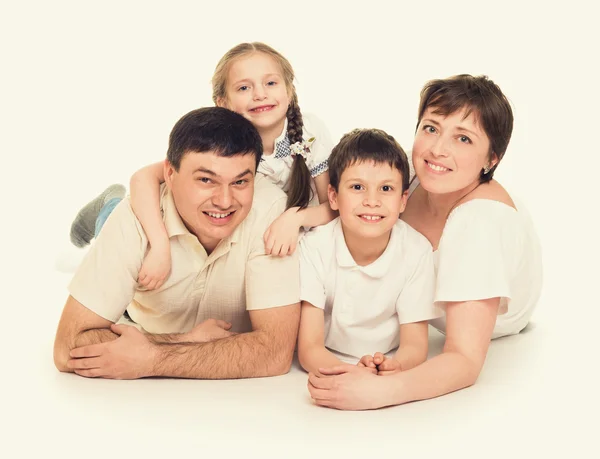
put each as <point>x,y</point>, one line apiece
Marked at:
<point>366,278</point>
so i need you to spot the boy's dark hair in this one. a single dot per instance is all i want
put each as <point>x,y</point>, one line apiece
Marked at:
<point>214,129</point>
<point>479,95</point>
<point>367,145</point>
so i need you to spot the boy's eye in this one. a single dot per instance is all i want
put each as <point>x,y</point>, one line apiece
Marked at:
<point>465,139</point>
<point>357,187</point>
<point>386,188</point>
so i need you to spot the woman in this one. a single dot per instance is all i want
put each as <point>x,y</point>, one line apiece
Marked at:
<point>488,260</point>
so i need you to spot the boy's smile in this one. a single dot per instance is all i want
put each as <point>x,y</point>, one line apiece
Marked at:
<point>370,200</point>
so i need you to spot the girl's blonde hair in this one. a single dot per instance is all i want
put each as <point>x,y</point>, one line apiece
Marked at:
<point>299,193</point>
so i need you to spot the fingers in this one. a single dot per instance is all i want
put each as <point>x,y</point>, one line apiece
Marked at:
<point>390,365</point>
<point>318,394</point>
<point>378,358</point>
<point>119,329</point>
<point>85,363</point>
<point>319,382</point>
<point>222,324</point>
<point>93,350</point>
<point>367,361</point>
<point>337,370</point>
<point>269,242</point>
<point>93,373</point>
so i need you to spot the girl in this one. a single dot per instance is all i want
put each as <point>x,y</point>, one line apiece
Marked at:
<point>256,81</point>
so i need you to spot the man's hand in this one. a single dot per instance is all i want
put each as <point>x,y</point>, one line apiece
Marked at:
<point>281,237</point>
<point>346,387</point>
<point>130,356</point>
<point>209,330</point>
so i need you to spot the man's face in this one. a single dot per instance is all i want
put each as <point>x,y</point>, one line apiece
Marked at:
<point>213,194</point>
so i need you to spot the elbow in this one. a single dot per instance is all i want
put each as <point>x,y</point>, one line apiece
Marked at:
<point>61,356</point>
<point>282,364</point>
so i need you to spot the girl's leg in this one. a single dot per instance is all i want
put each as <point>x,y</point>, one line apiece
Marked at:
<point>84,226</point>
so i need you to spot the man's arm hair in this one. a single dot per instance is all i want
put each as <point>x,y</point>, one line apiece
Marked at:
<point>265,351</point>
<point>78,326</point>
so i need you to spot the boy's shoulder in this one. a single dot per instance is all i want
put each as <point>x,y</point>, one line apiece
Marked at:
<point>321,238</point>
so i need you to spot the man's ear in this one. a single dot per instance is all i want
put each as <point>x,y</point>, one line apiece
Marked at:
<point>168,172</point>
<point>332,195</point>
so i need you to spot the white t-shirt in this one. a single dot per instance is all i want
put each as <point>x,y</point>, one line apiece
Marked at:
<point>277,166</point>
<point>487,250</point>
<point>365,305</point>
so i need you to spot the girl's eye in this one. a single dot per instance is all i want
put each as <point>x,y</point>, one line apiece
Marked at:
<point>242,88</point>
<point>386,188</point>
<point>272,83</point>
<point>465,139</point>
<point>429,128</point>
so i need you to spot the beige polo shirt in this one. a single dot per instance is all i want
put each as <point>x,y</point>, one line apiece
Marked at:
<point>235,278</point>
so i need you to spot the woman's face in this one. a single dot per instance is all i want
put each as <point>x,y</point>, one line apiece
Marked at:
<point>449,152</point>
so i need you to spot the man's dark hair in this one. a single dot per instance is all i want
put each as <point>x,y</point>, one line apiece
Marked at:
<point>213,129</point>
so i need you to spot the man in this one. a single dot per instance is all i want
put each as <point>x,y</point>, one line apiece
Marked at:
<point>227,310</point>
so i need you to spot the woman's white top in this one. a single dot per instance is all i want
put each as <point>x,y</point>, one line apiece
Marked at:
<point>489,249</point>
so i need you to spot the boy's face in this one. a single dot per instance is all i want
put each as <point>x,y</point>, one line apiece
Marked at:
<point>369,199</point>
<point>213,194</point>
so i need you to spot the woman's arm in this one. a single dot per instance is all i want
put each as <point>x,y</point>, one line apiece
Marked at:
<point>469,327</point>
<point>468,332</point>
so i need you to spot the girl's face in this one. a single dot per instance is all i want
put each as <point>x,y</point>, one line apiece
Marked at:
<point>256,89</point>
<point>449,152</point>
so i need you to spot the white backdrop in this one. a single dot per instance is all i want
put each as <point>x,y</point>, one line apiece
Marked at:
<point>90,91</point>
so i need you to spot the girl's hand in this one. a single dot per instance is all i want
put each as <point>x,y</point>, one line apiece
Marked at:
<point>156,267</point>
<point>281,237</point>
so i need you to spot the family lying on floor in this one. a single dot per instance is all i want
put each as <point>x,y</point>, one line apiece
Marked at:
<point>256,237</point>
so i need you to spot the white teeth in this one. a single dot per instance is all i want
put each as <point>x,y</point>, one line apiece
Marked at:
<point>437,168</point>
<point>213,215</point>
<point>371,217</point>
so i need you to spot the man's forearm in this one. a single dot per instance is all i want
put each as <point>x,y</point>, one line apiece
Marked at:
<point>314,357</point>
<point>247,355</point>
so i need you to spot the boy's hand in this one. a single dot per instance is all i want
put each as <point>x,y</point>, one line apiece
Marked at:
<point>155,268</point>
<point>367,362</point>
<point>386,366</point>
<point>281,237</point>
